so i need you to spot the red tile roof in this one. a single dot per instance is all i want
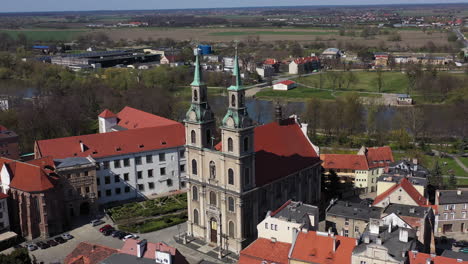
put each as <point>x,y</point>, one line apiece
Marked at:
<point>270,61</point>
<point>408,188</point>
<point>264,249</point>
<point>3,196</point>
<point>281,208</point>
<point>280,150</point>
<point>306,59</point>
<point>313,248</point>
<point>344,161</point>
<point>114,143</point>
<point>287,82</point>
<point>87,253</point>
<point>130,248</point>
<point>421,258</point>
<point>107,114</point>
<point>131,118</point>
<point>378,154</point>
<point>28,177</point>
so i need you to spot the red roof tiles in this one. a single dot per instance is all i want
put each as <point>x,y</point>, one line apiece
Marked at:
<point>86,253</point>
<point>3,196</point>
<point>287,82</point>
<point>131,118</point>
<point>313,248</point>
<point>379,156</point>
<point>421,258</point>
<point>344,161</point>
<point>408,188</point>
<point>107,114</point>
<point>28,177</point>
<point>114,143</point>
<point>306,59</point>
<point>265,250</point>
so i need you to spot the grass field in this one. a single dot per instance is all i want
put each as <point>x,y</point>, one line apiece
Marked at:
<point>464,161</point>
<point>45,35</point>
<point>298,94</point>
<point>447,165</point>
<point>243,33</point>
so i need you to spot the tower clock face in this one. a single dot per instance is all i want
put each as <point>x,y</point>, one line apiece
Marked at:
<point>193,116</point>
<point>230,122</point>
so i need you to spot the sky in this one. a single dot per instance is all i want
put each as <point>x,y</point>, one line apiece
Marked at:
<point>81,5</point>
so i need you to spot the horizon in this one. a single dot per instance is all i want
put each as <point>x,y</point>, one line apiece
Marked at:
<point>13,8</point>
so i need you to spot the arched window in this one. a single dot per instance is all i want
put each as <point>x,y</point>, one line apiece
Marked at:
<point>195,216</point>
<point>231,176</point>
<point>193,136</point>
<point>212,170</point>
<point>231,230</point>
<point>195,193</point>
<point>194,167</point>
<point>233,101</point>
<point>208,137</point>
<point>213,198</point>
<point>246,144</point>
<point>231,204</point>
<point>195,95</point>
<point>230,145</point>
<point>246,176</point>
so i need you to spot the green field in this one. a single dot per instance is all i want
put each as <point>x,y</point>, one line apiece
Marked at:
<point>464,161</point>
<point>45,35</point>
<point>299,93</point>
<point>295,33</point>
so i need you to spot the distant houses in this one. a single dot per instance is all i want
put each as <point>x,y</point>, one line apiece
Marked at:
<point>284,85</point>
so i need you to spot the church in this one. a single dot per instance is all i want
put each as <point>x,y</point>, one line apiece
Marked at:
<point>232,184</point>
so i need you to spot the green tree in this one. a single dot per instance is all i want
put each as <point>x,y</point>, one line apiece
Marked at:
<point>436,179</point>
<point>452,181</point>
<point>379,79</point>
<point>18,256</point>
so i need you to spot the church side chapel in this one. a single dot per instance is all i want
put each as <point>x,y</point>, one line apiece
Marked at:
<point>233,183</point>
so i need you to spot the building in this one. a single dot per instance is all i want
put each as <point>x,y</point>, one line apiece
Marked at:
<point>265,71</point>
<point>212,58</point>
<point>156,252</point>
<point>172,60</point>
<point>350,219</point>
<point>404,99</point>
<point>455,255</point>
<point>145,157</point>
<point>280,224</point>
<point>4,216</point>
<point>377,157</point>
<point>304,65</point>
<point>331,54</point>
<point>265,250</point>
<point>284,85</point>
<point>381,59</point>
<point>420,219</point>
<point>408,168</point>
<point>36,209</point>
<point>402,193</point>
<point>9,144</point>
<point>415,257</point>
<point>89,254</point>
<point>233,183</point>
<point>452,208</point>
<point>387,181</point>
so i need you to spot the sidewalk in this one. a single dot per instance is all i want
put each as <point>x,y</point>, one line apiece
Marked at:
<point>208,250</point>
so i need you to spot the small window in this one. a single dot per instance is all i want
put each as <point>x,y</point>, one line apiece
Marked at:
<point>195,193</point>
<point>266,225</point>
<point>231,204</point>
<point>182,168</point>
<point>151,185</point>
<point>162,156</point>
<point>106,165</point>
<point>182,153</point>
<point>126,162</point>
<point>116,163</point>
<point>246,176</point>
<point>233,101</point>
<point>213,198</point>
<point>138,160</point>
<point>150,173</point>
<point>125,176</point>
<point>193,137</point>
<point>107,180</point>
<point>127,189</point>
<point>99,194</point>
<point>86,173</point>
<point>98,181</point>
<point>231,230</point>
<point>116,178</point>
<point>87,189</point>
<point>169,183</point>
<point>194,167</point>
<point>230,177</point>
<point>139,174</point>
<point>195,216</point>
<point>212,170</point>
<point>230,145</point>
<point>141,187</point>
<point>149,158</point>
<point>117,190</point>
<point>108,192</point>
<point>246,144</point>
<point>162,171</point>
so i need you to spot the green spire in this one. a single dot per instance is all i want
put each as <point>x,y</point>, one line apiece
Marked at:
<point>197,77</point>
<point>237,85</point>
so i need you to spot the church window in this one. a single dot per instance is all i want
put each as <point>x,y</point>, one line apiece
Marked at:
<point>195,216</point>
<point>246,176</point>
<point>212,170</point>
<point>213,198</point>
<point>208,137</point>
<point>194,167</point>
<point>195,95</point>
<point>231,229</point>
<point>231,176</point>
<point>193,137</point>
<point>230,145</point>
<point>246,144</point>
<point>231,204</point>
<point>233,101</point>
<point>195,193</point>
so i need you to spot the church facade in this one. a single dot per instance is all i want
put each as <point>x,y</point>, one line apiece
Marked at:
<point>234,183</point>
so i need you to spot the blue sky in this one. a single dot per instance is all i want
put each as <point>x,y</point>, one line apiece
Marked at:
<point>78,5</point>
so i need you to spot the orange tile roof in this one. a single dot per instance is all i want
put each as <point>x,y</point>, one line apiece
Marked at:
<point>313,248</point>
<point>344,161</point>
<point>409,189</point>
<point>306,59</point>
<point>264,249</point>
<point>114,143</point>
<point>377,154</point>
<point>87,253</point>
<point>107,114</point>
<point>287,82</point>
<point>421,258</point>
<point>28,177</point>
<point>132,118</point>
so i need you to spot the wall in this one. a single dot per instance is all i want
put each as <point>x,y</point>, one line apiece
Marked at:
<point>398,196</point>
<point>4,218</point>
<point>279,229</point>
<point>338,225</point>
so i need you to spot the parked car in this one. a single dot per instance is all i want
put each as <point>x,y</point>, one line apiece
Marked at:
<point>116,233</point>
<point>108,231</point>
<point>52,243</point>
<point>31,247</point>
<point>104,228</point>
<point>66,236</point>
<point>97,222</point>
<point>60,240</point>
<point>464,250</point>
<point>42,245</point>
<point>130,236</point>
<point>18,246</point>
<point>122,235</point>
<point>461,243</point>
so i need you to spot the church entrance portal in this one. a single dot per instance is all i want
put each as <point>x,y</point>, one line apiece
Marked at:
<point>214,230</point>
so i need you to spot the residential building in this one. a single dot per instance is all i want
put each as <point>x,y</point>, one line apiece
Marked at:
<point>455,255</point>
<point>284,85</point>
<point>36,209</point>
<point>265,71</point>
<point>9,144</point>
<point>274,63</point>
<point>212,58</point>
<point>452,208</point>
<point>387,181</point>
<point>381,59</point>
<point>418,218</point>
<point>415,257</point>
<point>172,60</point>
<point>89,253</point>
<point>377,157</point>
<point>385,244</point>
<point>331,53</point>
<point>280,224</point>
<point>252,169</point>
<point>404,99</point>
<point>402,193</point>
<point>304,65</point>
<point>265,250</point>
<point>350,219</point>
<point>160,252</point>
<point>145,157</point>
<point>408,168</point>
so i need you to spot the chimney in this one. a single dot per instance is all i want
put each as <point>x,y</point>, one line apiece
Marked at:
<point>428,261</point>
<point>334,244</point>
<point>390,227</point>
<point>82,146</point>
<point>411,210</point>
<point>459,192</point>
<point>415,253</point>
<point>403,235</point>
<point>278,113</point>
<point>141,247</point>
<point>273,240</point>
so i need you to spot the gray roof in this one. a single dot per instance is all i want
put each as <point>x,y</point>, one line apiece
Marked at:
<point>331,51</point>
<point>404,167</point>
<point>126,259</point>
<point>452,197</point>
<point>455,255</point>
<point>398,178</point>
<point>392,242</point>
<point>297,212</point>
<point>70,162</point>
<point>351,210</point>
<point>405,210</point>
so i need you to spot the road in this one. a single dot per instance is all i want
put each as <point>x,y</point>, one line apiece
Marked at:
<point>461,36</point>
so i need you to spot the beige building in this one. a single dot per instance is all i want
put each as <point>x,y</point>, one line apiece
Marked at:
<point>402,193</point>
<point>452,207</point>
<point>387,181</point>
<point>234,183</point>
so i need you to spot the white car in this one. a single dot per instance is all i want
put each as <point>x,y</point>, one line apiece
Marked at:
<point>66,236</point>
<point>31,247</point>
<point>130,236</point>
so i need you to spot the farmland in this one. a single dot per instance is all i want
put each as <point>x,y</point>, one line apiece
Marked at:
<point>45,35</point>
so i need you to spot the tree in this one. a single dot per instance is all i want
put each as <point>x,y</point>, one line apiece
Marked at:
<point>351,79</point>
<point>452,181</point>
<point>314,106</point>
<point>18,256</point>
<point>435,179</point>
<point>379,79</point>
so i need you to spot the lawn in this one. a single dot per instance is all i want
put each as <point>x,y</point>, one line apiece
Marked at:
<point>155,224</point>
<point>464,161</point>
<point>299,93</point>
<point>288,33</point>
<point>45,35</point>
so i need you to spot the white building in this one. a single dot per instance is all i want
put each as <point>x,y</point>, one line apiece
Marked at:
<point>284,85</point>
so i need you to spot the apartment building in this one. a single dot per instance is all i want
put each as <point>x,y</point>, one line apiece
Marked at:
<point>452,207</point>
